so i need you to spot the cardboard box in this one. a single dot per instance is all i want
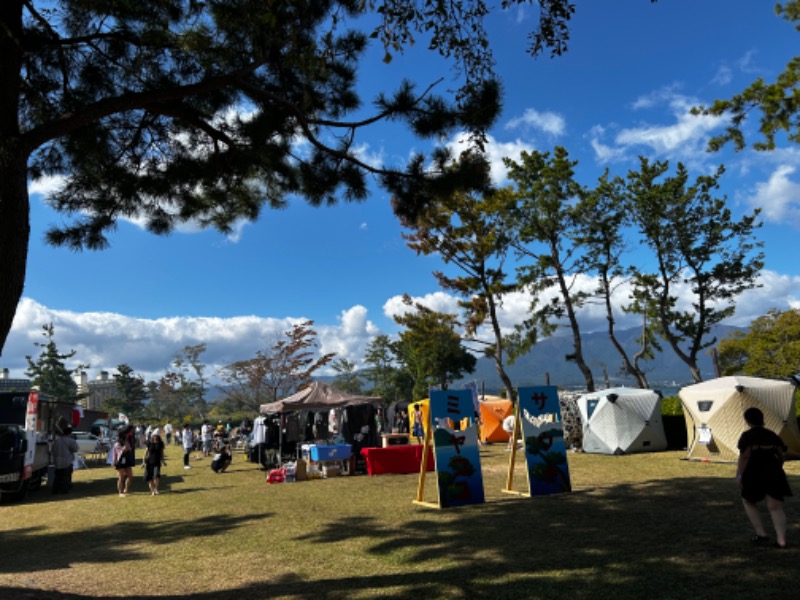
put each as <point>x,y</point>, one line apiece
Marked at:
<point>300,472</point>
<point>330,471</point>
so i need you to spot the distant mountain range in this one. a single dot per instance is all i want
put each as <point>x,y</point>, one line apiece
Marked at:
<point>666,370</point>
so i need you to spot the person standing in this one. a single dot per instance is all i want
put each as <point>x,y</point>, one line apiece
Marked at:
<point>508,426</point>
<point>187,437</point>
<point>123,463</point>
<point>760,475</point>
<point>64,449</point>
<point>418,431</point>
<point>168,433</point>
<point>206,438</point>
<point>380,425</point>
<point>131,440</point>
<point>153,460</point>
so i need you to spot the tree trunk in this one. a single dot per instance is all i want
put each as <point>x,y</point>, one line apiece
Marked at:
<point>14,232</point>
<point>631,367</point>
<point>14,208</point>
<point>574,326</point>
<point>498,348</point>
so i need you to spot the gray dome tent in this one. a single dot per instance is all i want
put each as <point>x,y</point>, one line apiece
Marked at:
<point>622,421</point>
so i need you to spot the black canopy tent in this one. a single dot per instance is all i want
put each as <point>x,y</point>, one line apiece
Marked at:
<point>319,397</point>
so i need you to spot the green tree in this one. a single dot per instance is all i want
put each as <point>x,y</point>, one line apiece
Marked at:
<point>770,348</point>
<point>171,397</point>
<point>380,368</point>
<point>179,110</point>
<point>49,372</point>
<point>192,380</point>
<point>778,102</point>
<point>470,232</point>
<point>696,242</point>
<point>284,368</point>
<point>430,349</point>
<point>601,217</point>
<point>544,225</point>
<point>131,394</point>
<point>347,377</point>
<point>384,371</point>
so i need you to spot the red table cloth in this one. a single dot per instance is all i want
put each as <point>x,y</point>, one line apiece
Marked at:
<point>396,459</point>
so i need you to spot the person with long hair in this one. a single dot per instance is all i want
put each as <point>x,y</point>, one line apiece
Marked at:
<point>122,459</point>
<point>760,475</point>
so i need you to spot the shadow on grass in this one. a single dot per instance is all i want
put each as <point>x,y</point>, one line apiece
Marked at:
<point>686,537</point>
<point>23,548</point>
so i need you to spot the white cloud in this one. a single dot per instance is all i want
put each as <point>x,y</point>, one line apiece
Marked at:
<point>776,291</point>
<point>687,135</point>
<point>603,152</point>
<point>106,340</point>
<point>351,337</point>
<point>46,185</point>
<point>723,76</point>
<point>374,159</point>
<point>438,301</point>
<point>747,63</point>
<point>549,122</point>
<point>685,138</point>
<point>778,197</point>
<point>495,153</point>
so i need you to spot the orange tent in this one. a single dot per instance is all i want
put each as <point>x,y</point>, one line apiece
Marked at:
<point>493,410</point>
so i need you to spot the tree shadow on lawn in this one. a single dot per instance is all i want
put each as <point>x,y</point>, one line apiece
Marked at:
<point>685,537</point>
<point>29,550</point>
<point>86,488</point>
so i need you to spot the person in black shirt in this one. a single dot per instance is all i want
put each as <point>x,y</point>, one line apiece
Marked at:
<point>760,475</point>
<point>153,461</point>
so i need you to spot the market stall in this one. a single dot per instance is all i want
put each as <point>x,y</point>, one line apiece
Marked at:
<point>332,417</point>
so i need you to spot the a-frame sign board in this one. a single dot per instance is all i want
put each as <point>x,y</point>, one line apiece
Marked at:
<point>458,469</point>
<point>537,421</point>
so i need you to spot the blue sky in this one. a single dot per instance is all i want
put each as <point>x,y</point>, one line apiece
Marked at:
<point>624,89</point>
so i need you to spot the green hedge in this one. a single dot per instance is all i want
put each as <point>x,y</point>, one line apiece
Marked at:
<point>671,406</point>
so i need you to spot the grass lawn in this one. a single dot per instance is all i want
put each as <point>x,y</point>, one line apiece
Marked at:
<point>635,527</point>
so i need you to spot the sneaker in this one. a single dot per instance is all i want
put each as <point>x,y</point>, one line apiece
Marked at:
<point>187,467</point>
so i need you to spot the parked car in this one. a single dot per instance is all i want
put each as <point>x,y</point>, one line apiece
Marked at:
<point>89,443</point>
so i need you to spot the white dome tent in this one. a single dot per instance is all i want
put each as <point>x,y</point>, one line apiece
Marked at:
<point>714,412</point>
<point>622,421</point>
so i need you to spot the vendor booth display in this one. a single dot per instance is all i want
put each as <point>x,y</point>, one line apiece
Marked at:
<point>318,396</point>
<point>493,412</point>
<point>327,414</point>
<point>713,410</point>
<point>622,421</point>
<point>327,461</point>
